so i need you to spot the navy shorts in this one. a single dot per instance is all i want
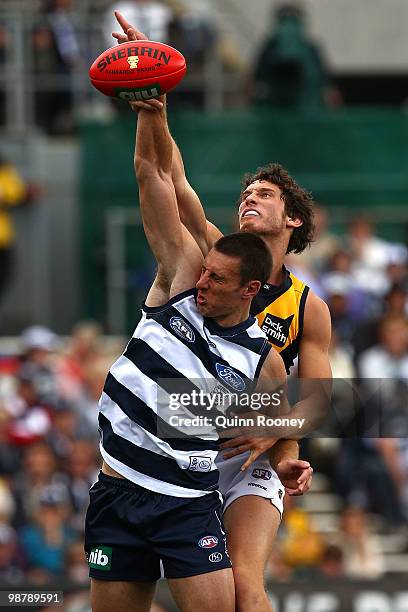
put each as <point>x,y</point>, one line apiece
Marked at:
<point>130,531</point>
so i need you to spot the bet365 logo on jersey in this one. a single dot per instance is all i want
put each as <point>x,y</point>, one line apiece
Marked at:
<point>277,329</point>
<point>100,558</point>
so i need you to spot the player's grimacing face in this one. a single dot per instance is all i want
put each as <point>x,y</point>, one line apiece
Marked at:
<point>219,286</point>
<point>262,209</point>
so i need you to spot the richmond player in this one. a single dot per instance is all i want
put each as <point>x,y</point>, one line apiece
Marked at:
<point>297,323</point>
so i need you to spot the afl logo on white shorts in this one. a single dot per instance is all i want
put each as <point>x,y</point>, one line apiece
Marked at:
<point>182,329</point>
<point>261,473</point>
<point>231,378</point>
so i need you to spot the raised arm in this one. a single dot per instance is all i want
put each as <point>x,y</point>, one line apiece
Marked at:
<point>178,257</point>
<point>189,205</point>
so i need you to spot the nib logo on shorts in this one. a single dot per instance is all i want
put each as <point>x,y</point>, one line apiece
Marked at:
<point>100,558</point>
<point>277,329</point>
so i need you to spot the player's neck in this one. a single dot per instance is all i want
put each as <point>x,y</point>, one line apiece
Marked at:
<point>277,249</point>
<point>234,318</point>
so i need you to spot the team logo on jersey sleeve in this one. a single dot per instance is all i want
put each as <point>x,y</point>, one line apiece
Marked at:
<point>231,378</point>
<point>182,329</point>
<point>200,464</point>
<point>277,329</point>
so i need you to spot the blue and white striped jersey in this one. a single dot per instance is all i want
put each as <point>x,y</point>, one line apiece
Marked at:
<point>175,343</point>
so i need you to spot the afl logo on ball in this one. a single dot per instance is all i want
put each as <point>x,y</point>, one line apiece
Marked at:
<point>182,329</point>
<point>231,378</point>
<point>208,541</point>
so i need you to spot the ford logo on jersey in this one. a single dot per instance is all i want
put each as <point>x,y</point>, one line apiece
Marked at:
<point>182,329</point>
<point>231,378</point>
<point>208,541</point>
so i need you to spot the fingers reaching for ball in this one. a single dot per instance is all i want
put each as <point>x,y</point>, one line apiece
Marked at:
<point>129,31</point>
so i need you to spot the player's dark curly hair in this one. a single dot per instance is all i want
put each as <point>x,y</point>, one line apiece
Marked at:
<point>298,203</point>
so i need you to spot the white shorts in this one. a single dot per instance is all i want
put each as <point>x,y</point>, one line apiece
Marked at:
<point>259,479</point>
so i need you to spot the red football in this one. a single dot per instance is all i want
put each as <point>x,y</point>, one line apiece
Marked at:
<point>138,70</point>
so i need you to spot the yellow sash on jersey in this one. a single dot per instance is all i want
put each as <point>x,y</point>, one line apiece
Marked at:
<point>282,320</point>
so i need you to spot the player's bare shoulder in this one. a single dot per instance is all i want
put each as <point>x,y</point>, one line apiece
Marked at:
<point>316,322</point>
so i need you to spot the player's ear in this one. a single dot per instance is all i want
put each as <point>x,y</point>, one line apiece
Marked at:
<point>293,222</point>
<point>251,289</point>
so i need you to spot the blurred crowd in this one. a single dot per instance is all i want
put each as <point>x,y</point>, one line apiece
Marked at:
<point>364,280</point>
<point>61,40</point>
<point>49,451</point>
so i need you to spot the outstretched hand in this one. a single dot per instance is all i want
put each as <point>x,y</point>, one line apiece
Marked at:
<point>295,475</point>
<point>129,33</point>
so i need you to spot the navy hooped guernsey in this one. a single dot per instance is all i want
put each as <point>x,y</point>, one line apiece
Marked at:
<point>173,342</point>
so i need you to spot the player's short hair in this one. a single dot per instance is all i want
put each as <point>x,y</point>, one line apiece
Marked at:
<point>255,258</point>
<point>298,203</point>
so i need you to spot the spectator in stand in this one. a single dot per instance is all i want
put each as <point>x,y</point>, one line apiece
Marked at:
<point>30,419</point>
<point>63,432</point>
<point>56,54</point>
<point>340,358</point>
<point>37,363</point>
<point>150,16</point>
<point>77,569</point>
<point>39,468</point>
<point>302,546</point>
<point>290,72</point>
<point>389,359</point>
<point>82,352</point>
<point>47,536</point>
<point>394,304</point>
<point>332,563</point>
<point>86,406</point>
<point>14,191</point>
<point>82,466</point>
<point>11,562</point>
<point>337,288</point>
<point>362,556</point>
<point>371,256</point>
<point>7,504</point>
<point>324,246</point>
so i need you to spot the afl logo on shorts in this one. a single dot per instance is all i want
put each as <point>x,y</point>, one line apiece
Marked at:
<point>215,557</point>
<point>182,329</point>
<point>261,473</point>
<point>231,378</point>
<point>208,541</point>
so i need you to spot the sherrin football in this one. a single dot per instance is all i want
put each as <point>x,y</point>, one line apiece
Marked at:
<point>138,70</point>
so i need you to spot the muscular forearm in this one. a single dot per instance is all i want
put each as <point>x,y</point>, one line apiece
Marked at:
<point>154,147</point>
<point>282,450</point>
